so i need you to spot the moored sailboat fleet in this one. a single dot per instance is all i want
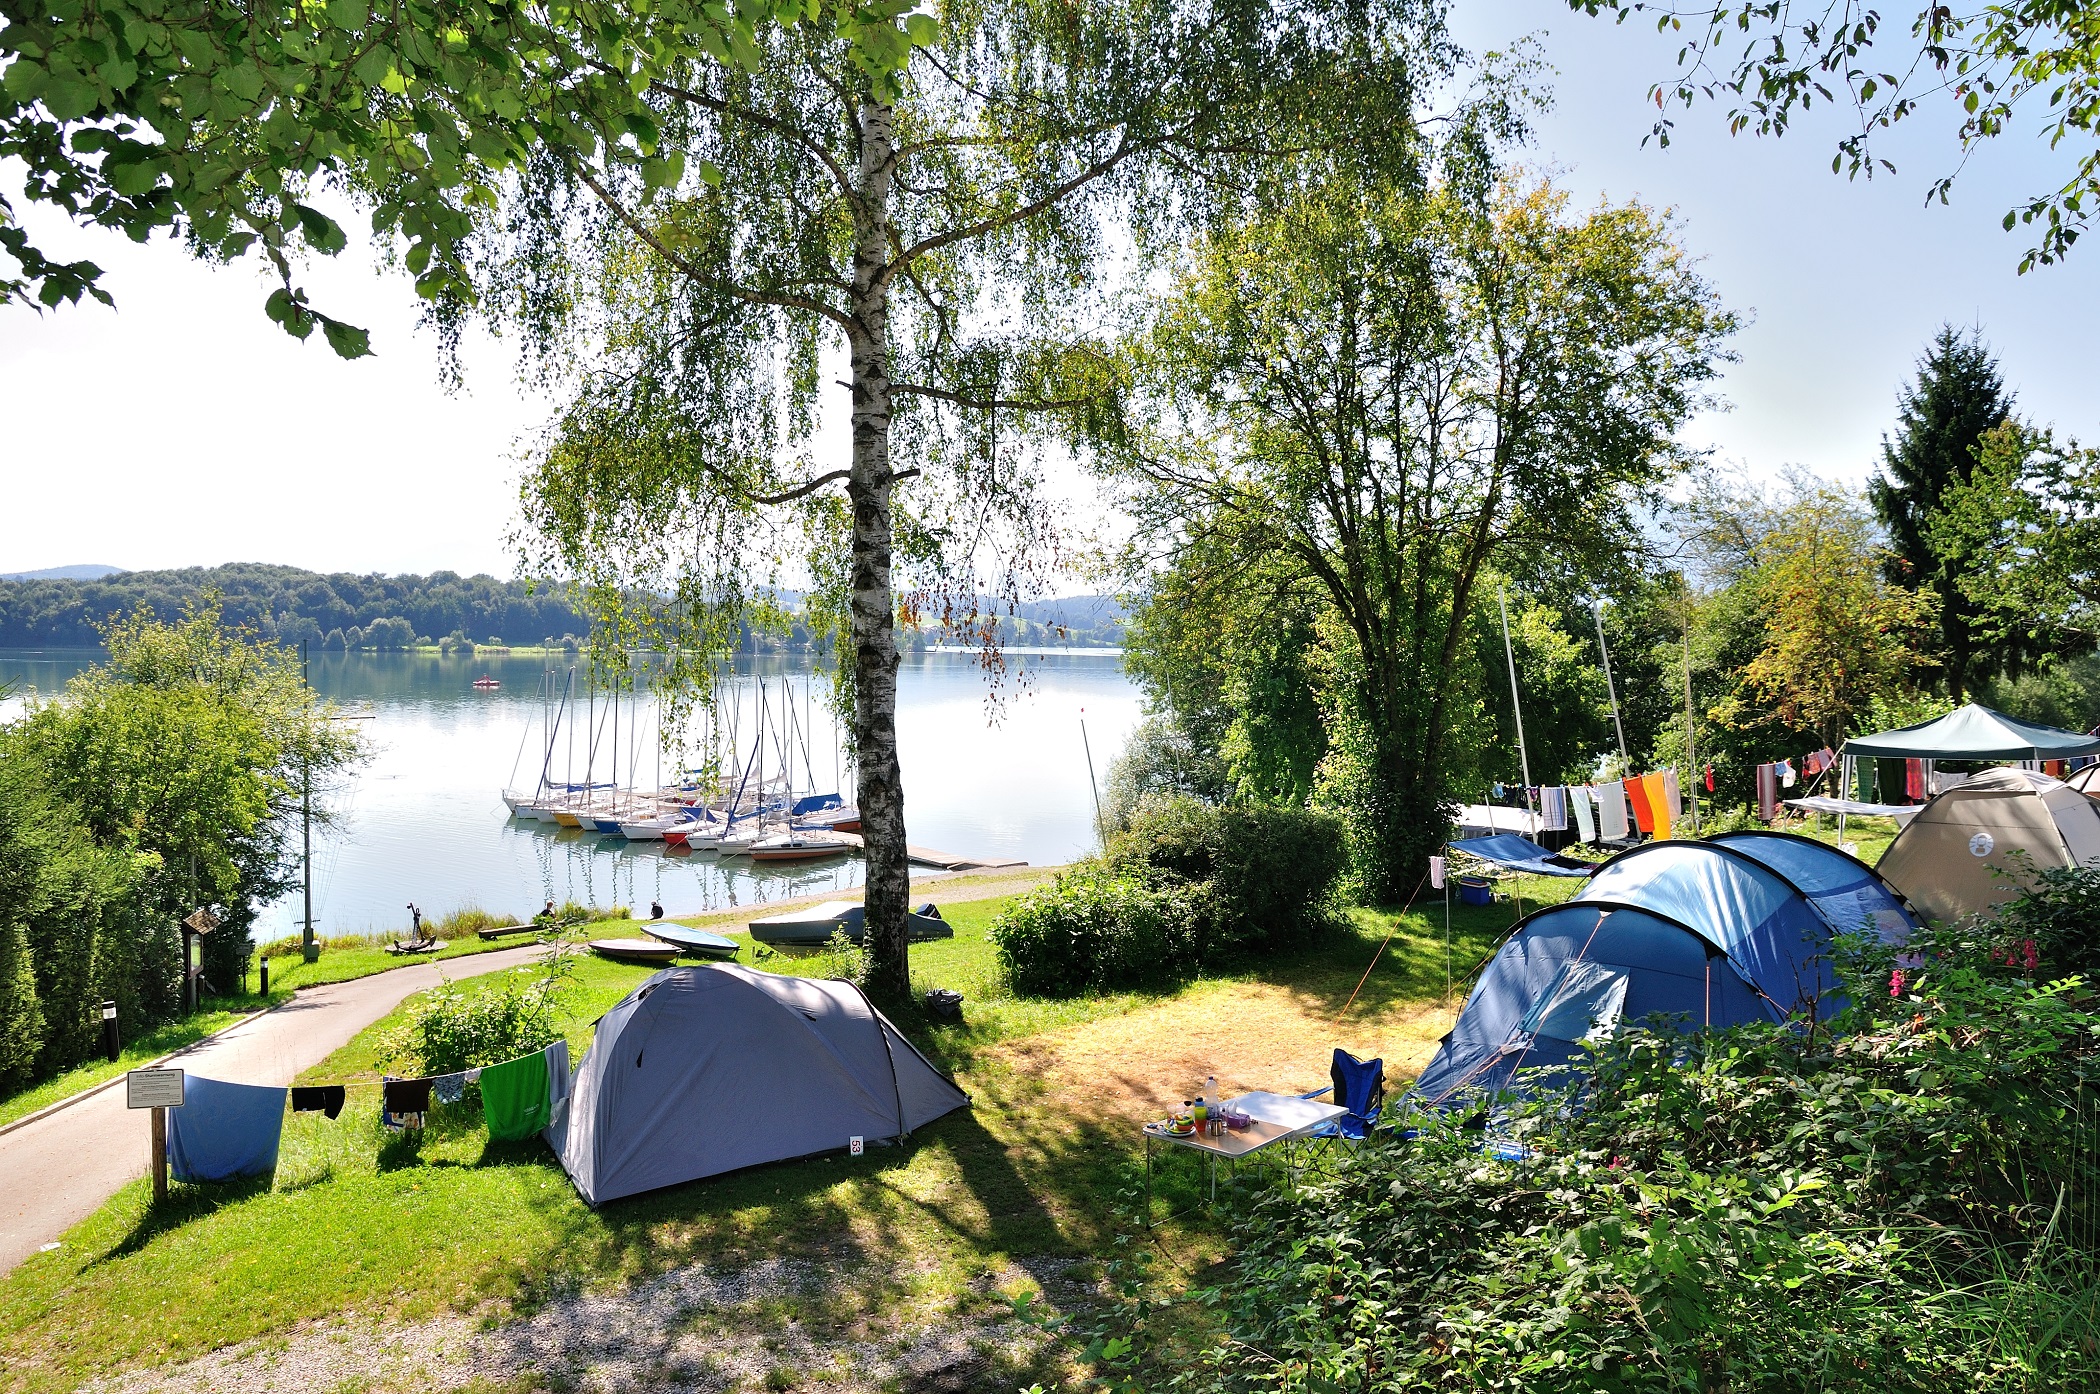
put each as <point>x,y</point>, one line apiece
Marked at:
<point>746,799</point>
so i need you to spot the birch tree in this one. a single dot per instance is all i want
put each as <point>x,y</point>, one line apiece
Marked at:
<point>944,234</point>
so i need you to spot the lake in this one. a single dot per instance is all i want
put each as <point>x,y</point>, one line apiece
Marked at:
<point>423,820</point>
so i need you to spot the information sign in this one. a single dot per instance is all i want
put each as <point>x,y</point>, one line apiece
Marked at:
<point>153,1089</point>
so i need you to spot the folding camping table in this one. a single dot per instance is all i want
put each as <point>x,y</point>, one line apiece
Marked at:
<point>1279,1119</point>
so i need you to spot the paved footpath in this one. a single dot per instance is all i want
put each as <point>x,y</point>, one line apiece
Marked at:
<point>57,1171</point>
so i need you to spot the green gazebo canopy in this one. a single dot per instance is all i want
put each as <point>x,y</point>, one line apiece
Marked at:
<point>1975,733</point>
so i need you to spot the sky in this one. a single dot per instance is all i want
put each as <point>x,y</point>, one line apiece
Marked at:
<point>183,428</point>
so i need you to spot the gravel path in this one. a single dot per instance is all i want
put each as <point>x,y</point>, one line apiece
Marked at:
<point>693,1329</point>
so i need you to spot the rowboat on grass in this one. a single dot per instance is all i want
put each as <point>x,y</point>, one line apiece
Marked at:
<point>812,926</point>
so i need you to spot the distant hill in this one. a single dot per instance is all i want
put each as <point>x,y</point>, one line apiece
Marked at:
<point>85,571</point>
<point>1078,612</point>
<point>289,604</point>
<point>342,610</point>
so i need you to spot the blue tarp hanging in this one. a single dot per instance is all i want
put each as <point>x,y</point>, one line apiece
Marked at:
<point>224,1130</point>
<point>1519,854</point>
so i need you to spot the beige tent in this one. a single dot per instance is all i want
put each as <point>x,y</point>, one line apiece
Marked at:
<point>2003,821</point>
<point>2086,781</point>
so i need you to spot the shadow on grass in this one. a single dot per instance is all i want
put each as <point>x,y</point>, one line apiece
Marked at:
<point>187,1202</point>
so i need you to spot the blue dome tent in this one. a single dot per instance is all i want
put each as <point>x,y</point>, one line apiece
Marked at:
<point>1716,933</point>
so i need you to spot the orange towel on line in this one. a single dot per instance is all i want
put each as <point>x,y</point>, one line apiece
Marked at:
<point>1657,787</point>
<point>1637,795</point>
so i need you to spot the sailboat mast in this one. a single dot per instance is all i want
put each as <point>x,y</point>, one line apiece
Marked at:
<point>1509,656</point>
<point>1611,689</point>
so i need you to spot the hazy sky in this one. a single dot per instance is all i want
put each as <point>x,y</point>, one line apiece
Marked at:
<point>183,428</point>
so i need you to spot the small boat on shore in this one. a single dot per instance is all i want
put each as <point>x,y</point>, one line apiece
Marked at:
<point>702,943</point>
<point>635,950</point>
<point>811,927</point>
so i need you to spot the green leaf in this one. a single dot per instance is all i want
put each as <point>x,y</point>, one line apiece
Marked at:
<point>297,320</point>
<point>24,79</point>
<point>322,232</point>
<point>69,99</point>
<point>372,68</point>
<point>347,340</point>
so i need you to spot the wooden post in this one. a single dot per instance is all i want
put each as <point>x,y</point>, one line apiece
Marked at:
<point>160,1155</point>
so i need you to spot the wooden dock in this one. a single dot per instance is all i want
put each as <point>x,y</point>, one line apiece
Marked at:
<point>928,856</point>
<point>948,861</point>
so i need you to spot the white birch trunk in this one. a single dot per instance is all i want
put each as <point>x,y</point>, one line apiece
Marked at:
<point>881,787</point>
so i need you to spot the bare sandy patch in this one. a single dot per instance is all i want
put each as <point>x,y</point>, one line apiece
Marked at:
<point>1250,1035</point>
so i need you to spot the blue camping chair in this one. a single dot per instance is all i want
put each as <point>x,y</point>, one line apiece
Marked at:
<point>1357,1085</point>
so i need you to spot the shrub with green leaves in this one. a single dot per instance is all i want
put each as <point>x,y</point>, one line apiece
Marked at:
<point>1093,930</point>
<point>1262,876</point>
<point>460,1028</point>
<point>2052,930</point>
<point>1185,887</point>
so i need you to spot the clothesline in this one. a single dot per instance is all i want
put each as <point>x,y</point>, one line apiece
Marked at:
<point>224,1130</point>
<point>1610,811</point>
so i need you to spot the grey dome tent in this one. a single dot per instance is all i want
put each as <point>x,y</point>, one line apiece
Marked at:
<point>710,1068</point>
<point>1973,846</point>
<point>1733,929</point>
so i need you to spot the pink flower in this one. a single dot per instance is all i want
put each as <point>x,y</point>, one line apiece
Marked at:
<point>2031,958</point>
<point>1896,983</point>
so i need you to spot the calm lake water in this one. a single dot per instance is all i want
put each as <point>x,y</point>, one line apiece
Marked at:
<point>423,820</point>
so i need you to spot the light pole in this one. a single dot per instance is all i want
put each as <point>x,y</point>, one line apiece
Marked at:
<point>308,949</point>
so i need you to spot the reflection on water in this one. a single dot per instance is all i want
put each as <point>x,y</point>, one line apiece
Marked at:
<point>423,820</point>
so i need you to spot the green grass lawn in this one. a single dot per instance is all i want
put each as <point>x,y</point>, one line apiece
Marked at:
<point>357,1222</point>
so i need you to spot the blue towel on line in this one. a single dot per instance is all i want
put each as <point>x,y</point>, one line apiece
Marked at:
<point>224,1130</point>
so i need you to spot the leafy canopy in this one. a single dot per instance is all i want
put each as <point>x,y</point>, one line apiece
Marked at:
<point>1772,62</point>
<point>190,748</point>
<point>223,124</point>
<point>2030,514</point>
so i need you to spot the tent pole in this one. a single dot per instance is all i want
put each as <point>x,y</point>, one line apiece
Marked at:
<point>1610,688</point>
<point>1516,707</point>
<point>1846,770</point>
<point>1691,758</point>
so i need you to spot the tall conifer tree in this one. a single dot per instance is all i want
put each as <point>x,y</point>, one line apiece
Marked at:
<point>1958,396</point>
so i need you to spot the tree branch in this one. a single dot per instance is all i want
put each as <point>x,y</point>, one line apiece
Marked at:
<point>779,128</point>
<point>1099,169</point>
<point>800,490</point>
<point>985,403</point>
<point>751,297</point>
